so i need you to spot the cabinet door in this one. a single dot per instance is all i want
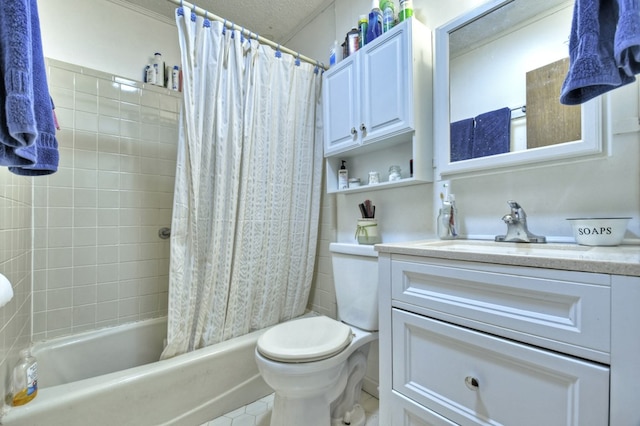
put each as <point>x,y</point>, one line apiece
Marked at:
<point>387,84</point>
<point>340,99</point>
<point>475,378</point>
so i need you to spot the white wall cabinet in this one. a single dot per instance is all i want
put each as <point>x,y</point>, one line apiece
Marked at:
<point>475,343</point>
<point>377,108</point>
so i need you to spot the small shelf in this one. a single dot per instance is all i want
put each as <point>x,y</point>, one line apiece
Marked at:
<point>379,186</point>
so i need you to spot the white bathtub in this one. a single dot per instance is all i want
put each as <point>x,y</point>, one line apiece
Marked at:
<point>113,377</point>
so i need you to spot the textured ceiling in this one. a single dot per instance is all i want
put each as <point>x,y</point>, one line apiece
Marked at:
<point>276,20</point>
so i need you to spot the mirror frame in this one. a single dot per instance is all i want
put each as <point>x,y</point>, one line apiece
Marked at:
<point>590,144</point>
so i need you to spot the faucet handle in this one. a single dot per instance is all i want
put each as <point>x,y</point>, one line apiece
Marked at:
<point>514,205</point>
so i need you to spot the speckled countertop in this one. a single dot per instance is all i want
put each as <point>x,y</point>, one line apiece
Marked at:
<point>619,260</point>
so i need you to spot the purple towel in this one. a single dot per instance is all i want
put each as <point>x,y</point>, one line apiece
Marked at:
<point>461,139</point>
<point>593,69</point>
<point>27,131</point>
<point>492,134</point>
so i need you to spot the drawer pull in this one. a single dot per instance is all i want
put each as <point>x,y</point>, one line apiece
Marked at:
<point>354,132</point>
<point>472,383</point>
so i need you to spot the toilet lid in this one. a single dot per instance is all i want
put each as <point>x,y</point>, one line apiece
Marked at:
<point>305,339</point>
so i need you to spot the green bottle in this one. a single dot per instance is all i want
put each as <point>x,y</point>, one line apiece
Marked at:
<point>363,23</point>
<point>388,14</point>
<point>406,10</point>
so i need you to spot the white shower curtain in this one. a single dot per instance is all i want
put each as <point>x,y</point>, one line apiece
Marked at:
<point>248,182</point>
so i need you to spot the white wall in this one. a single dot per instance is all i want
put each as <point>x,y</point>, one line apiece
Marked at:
<point>104,36</point>
<point>608,184</point>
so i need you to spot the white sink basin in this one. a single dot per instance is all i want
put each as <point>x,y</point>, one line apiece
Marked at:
<point>500,248</point>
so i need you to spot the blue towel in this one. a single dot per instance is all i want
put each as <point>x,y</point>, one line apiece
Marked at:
<point>627,41</point>
<point>27,131</point>
<point>492,134</point>
<point>592,66</point>
<point>461,139</point>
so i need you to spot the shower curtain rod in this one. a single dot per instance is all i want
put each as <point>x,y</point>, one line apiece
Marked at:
<point>206,14</point>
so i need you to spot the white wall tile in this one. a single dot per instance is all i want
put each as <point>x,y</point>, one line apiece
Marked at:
<point>88,254</point>
<point>86,84</point>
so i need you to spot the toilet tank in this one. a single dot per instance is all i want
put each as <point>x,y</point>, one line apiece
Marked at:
<point>355,278</point>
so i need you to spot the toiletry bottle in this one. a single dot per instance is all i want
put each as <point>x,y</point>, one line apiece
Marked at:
<point>363,23</point>
<point>406,10</point>
<point>333,53</point>
<point>158,66</point>
<point>343,177</point>
<point>374,28</point>
<point>175,78</point>
<point>353,42</point>
<point>24,379</point>
<point>149,74</point>
<point>388,14</point>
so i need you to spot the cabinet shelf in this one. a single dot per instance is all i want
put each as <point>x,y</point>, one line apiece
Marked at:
<point>382,185</point>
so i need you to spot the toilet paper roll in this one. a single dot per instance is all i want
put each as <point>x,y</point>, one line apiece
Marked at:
<point>6,291</point>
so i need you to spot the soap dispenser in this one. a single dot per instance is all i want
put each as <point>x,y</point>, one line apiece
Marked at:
<point>343,176</point>
<point>24,379</point>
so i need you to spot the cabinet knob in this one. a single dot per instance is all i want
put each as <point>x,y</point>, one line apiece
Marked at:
<point>363,128</point>
<point>472,383</point>
<point>354,132</point>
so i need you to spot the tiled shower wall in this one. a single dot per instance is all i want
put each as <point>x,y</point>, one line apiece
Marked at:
<point>15,264</point>
<point>98,260</point>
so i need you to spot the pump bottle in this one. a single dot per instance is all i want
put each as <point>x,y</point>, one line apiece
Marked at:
<point>343,177</point>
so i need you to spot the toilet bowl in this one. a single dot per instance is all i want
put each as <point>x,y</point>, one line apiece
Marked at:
<point>305,388</point>
<point>316,364</point>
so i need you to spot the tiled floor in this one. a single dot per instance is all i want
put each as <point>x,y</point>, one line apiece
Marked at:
<point>259,413</point>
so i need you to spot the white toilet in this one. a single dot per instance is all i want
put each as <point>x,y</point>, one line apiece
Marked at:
<point>316,364</point>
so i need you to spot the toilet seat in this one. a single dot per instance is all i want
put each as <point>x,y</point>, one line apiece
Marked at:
<point>305,340</point>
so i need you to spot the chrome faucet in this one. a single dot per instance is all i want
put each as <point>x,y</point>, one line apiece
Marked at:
<point>517,231</point>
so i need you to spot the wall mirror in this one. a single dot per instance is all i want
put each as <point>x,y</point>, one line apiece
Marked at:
<point>498,73</point>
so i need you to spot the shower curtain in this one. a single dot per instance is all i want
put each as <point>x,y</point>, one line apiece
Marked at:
<point>247,193</point>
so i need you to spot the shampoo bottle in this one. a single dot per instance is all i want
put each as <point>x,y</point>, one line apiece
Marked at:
<point>158,66</point>
<point>343,177</point>
<point>175,78</point>
<point>406,10</point>
<point>24,379</point>
<point>363,24</point>
<point>149,74</point>
<point>388,14</point>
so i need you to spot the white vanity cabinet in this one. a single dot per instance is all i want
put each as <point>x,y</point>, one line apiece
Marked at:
<point>471,343</point>
<point>377,107</point>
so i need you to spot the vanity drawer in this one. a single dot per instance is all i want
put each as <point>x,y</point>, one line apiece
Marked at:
<point>405,412</point>
<point>560,310</point>
<point>475,378</point>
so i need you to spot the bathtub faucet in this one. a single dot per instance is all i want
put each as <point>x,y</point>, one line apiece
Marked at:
<point>517,230</point>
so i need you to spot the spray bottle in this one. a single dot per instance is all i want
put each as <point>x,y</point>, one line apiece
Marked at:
<point>374,28</point>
